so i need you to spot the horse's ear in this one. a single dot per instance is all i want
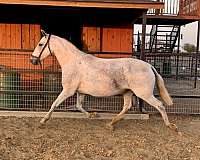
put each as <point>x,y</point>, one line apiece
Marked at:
<point>44,33</point>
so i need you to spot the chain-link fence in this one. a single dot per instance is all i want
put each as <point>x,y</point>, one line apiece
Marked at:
<point>34,88</point>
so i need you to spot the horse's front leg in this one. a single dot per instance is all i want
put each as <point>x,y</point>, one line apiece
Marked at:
<point>62,96</point>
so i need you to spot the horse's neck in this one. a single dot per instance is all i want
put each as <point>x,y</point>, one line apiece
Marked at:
<point>65,53</point>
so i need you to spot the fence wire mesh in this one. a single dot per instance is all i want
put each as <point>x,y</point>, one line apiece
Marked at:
<point>34,88</point>
<point>181,73</point>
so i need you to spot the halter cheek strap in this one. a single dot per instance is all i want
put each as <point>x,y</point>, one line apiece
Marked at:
<point>46,45</point>
<point>51,53</point>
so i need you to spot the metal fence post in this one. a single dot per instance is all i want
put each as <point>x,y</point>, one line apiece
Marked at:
<point>178,51</point>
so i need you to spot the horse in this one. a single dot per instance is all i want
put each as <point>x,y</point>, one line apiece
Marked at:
<point>86,74</point>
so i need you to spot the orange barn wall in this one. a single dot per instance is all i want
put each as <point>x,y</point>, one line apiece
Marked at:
<point>91,39</point>
<point>26,36</point>
<point>20,36</point>
<point>113,40</point>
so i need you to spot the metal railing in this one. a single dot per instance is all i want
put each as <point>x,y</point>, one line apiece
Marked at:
<point>158,43</point>
<point>177,8</point>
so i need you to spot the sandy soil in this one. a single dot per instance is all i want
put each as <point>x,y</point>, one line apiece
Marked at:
<point>86,139</point>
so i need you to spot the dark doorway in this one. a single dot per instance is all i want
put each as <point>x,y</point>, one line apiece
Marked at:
<point>71,32</point>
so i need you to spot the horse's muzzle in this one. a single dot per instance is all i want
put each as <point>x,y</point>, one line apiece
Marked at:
<point>34,60</point>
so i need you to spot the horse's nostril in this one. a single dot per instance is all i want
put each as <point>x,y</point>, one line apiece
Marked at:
<point>33,61</point>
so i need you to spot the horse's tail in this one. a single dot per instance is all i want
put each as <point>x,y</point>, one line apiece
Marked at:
<point>161,88</point>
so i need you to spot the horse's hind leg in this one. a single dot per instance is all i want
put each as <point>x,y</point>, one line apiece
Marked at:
<point>79,103</point>
<point>62,96</point>
<point>159,106</point>
<point>127,105</point>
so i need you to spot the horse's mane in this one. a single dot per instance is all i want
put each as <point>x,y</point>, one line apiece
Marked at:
<point>68,45</point>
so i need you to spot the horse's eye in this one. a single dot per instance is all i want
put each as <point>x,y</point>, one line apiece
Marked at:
<point>40,44</point>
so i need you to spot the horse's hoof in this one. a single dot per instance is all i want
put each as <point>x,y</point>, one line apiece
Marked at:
<point>180,134</point>
<point>42,122</point>
<point>144,111</point>
<point>110,127</point>
<point>173,127</point>
<point>92,114</point>
<point>41,125</point>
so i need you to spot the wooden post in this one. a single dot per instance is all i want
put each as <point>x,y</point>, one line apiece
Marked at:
<point>132,45</point>
<point>198,8</point>
<point>142,55</point>
<point>144,20</point>
<point>197,54</point>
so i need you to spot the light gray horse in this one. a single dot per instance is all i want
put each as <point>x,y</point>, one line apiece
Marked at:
<point>87,74</point>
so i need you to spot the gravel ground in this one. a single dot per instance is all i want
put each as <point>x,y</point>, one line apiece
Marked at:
<point>87,139</point>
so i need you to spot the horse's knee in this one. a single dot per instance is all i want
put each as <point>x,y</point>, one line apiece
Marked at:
<point>161,108</point>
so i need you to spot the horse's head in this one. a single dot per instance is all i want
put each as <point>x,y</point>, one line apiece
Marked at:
<point>42,49</point>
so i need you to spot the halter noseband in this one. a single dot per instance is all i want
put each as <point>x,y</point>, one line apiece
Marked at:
<point>46,44</point>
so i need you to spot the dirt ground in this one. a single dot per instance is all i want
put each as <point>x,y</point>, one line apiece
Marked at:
<point>87,139</point>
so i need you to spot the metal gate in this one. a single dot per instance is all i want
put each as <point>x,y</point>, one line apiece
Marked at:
<point>181,73</point>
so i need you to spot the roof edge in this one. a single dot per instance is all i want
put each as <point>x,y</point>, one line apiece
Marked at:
<point>150,5</point>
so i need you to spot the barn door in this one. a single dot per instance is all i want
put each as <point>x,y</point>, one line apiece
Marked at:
<point>19,36</point>
<point>110,42</point>
<point>91,39</point>
<point>117,40</point>
<point>15,41</point>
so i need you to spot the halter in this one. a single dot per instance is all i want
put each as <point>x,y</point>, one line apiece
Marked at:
<point>46,44</point>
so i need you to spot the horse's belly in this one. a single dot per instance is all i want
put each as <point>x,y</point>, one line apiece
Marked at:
<point>100,90</point>
<point>102,94</point>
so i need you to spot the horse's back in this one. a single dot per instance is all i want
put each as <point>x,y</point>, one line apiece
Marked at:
<point>111,73</point>
<point>105,62</point>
